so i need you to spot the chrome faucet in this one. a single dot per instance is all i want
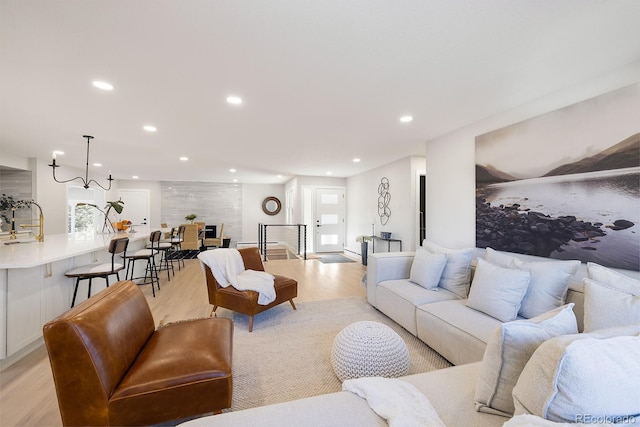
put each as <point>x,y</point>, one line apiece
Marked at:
<point>40,225</point>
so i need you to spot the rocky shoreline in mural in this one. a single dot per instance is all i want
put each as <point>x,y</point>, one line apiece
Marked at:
<point>514,229</point>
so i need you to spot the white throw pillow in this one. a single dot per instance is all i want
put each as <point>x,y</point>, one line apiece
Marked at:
<point>593,375</point>
<point>548,286</point>
<point>509,350</point>
<point>455,276</point>
<point>427,268</point>
<point>498,258</point>
<point>549,281</point>
<point>613,279</point>
<point>605,307</point>
<point>498,291</point>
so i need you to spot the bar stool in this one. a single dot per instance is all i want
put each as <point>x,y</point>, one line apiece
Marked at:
<point>162,247</point>
<point>150,269</point>
<point>177,237</point>
<point>100,269</point>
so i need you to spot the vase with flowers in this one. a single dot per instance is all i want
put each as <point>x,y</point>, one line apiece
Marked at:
<point>191,217</point>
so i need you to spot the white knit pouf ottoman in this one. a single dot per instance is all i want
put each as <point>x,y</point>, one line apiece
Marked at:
<point>369,349</point>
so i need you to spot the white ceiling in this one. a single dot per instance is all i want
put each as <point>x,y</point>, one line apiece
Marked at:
<point>322,81</point>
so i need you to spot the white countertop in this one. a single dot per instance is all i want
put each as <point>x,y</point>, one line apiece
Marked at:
<point>55,247</point>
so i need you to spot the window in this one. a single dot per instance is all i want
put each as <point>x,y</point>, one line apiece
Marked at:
<point>84,209</point>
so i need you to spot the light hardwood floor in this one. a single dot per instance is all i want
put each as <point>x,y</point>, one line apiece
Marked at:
<point>27,393</point>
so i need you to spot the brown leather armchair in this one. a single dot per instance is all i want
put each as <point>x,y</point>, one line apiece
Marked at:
<point>111,367</point>
<point>246,302</point>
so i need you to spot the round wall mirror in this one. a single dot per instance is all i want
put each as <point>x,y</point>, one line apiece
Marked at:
<point>271,205</point>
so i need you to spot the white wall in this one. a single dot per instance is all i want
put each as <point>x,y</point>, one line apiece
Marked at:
<point>13,161</point>
<point>362,203</point>
<point>252,214</point>
<point>51,196</point>
<point>450,159</point>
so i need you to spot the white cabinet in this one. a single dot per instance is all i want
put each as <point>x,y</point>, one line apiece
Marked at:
<point>34,296</point>
<point>56,289</point>
<point>34,292</point>
<point>24,322</point>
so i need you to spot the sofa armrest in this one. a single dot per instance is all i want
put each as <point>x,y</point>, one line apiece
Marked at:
<point>386,266</point>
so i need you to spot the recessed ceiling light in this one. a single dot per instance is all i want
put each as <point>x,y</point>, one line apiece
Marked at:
<point>234,100</point>
<point>102,85</point>
<point>232,170</point>
<point>135,177</point>
<point>97,164</point>
<point>279,176</point>
<point>150,128</point>
<point>58,152</point>
<point>184,158</point>
<point>406,119</point>
<point>329,172</point>
<point>356,160</point>
<point>235,180</point>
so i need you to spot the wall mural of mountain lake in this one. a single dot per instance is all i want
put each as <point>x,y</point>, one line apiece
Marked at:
<point>566,184</point>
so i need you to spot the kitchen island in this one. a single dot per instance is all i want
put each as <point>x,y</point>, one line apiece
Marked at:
<point>34,289</point>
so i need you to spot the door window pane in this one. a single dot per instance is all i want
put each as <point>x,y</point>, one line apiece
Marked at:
<point>329,239</point>
<point>329,199</point>
<point>329,219</point>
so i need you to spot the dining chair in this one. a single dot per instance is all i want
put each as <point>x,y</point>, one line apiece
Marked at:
<point>216,241</point>
<point>99,269</point>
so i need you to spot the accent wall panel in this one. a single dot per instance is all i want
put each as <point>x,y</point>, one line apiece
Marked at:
<point>213,203</point>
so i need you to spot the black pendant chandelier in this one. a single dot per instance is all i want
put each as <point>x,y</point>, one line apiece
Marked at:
<point>86,182</point>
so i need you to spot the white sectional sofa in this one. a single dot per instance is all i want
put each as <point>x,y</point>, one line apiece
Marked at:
<point>450,391</point>
<point>538,368</point>
<point>439,317</point>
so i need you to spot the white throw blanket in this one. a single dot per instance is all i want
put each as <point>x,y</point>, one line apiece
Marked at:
<point>228,269</point>
<point>397,401</point>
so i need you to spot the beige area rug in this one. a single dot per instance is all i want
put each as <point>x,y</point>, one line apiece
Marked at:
<point>288,354</point>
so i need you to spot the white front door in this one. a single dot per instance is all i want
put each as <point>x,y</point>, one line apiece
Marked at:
<point>329,220</point>
<point>136,206</point>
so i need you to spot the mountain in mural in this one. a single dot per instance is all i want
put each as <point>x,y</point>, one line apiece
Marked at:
<point>625,154</point>
<point>490,175</point>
